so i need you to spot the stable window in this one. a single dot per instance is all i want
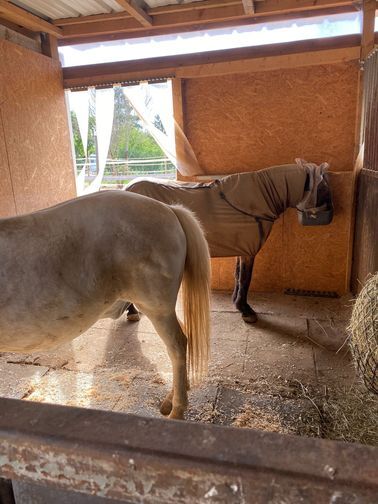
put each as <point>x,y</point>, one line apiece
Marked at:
<point>122,132</point>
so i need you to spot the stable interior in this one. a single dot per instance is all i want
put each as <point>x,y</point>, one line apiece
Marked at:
<point>241,111</point>
<point>291,372</point>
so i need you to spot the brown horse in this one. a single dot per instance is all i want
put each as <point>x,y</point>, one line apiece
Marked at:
<point>238,212</point>
<point>63,268</point>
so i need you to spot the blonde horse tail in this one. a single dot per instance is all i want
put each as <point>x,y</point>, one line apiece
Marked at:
<point>195,290</point>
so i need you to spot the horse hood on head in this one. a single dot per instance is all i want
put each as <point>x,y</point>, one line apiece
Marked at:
<point>313,210</point>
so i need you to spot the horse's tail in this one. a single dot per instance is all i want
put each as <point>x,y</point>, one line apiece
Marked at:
<point>195,289</point>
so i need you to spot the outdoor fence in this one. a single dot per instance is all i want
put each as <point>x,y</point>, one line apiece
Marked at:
<point>124,170</point>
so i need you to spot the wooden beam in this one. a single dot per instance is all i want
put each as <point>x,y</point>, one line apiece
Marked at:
<point>136,12</point>
<point>174,20</point>
<point>91,19</point>
<point>178,116</point>
<point>263,64</point>
<point>27,20</point>
<point>249,7</point>
<point>261,7</point>
<point>191,6</point>
<point>246,59</point>
<point>368,21</point>
<point>138,32</point>
<point>177,98</point>
<point>19,29</point>
<point>50,46</point>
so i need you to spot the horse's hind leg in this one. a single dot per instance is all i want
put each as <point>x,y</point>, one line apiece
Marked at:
<point>237,275</point>
<point>245,276</point>
<point>170,332</point>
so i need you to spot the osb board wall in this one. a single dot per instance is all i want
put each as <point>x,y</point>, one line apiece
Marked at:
<point>35,155</point>
<point>249,121</point>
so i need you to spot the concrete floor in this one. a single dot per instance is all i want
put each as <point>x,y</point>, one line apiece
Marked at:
<point>260,375</point>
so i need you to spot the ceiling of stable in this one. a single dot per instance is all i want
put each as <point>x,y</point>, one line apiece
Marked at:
<point>72,8</point>
<point>76,21</point>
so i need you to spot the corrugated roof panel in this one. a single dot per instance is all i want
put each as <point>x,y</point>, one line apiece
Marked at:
<point>73,8</point>
<point>68,8</point>
<point>161,3</point>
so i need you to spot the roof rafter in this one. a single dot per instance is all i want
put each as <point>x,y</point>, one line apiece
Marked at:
<point>192,16</point>
<point>136,12</point>
<point>249,7</point>
<point>25,19</point>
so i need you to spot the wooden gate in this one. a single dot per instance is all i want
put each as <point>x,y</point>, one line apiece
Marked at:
<point>61,455</point>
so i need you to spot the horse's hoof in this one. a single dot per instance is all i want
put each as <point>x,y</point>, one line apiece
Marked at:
<point>177,414</point>
<point>133,317</point>
<point>166,407</point>
<point>251,318</point>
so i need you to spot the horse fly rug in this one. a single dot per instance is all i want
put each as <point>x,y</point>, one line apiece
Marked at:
<point>237,212</point>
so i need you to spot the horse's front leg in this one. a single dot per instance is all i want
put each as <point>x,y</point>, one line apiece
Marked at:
<point>243,276</point>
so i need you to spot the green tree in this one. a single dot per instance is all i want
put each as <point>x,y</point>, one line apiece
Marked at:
<point>142,145</point>
<point>78,143</point>
<point>124,121</point>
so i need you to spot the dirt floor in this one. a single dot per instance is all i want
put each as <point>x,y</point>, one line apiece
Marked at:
<point>290,372</point>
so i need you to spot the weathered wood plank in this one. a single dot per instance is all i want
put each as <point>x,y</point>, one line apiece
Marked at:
<point>124,457</point>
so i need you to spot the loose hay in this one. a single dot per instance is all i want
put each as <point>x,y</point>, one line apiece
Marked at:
<point>363,331</point>
<point>257,418</point>
<point>290,407</point>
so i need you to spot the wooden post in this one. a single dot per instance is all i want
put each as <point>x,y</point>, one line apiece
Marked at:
<point>178,116</point>
<point>186,158</point>
<point>367,45</point>
<point>50,46</point>
<point>367,38</point>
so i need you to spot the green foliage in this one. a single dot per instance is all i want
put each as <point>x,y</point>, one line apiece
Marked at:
<point>124,121</point>
<point>142,145</point>
<point>78,144</point>
<point>129,139</point>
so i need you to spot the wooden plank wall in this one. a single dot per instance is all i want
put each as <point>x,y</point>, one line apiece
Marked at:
<point>365,260</point>
<point>365,253</point>
<point>36,168</point>
<point>245,122</point>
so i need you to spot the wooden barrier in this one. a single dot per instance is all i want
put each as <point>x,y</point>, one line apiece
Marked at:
<point>134,459</point>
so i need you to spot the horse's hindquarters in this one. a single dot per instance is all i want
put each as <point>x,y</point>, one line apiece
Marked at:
<point>62,268</point>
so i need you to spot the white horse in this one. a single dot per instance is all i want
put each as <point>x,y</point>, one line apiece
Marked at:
<point>63,268</point>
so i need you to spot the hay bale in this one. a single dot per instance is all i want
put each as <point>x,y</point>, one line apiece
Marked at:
<point>363,331</point>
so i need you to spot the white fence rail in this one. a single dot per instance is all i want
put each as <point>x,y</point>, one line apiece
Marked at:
<point>126,169</point>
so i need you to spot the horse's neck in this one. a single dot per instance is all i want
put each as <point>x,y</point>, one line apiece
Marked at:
<point>289,183</point>
<point>284,185</point>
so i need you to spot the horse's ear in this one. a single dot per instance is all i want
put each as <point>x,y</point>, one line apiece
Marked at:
<point>324,167</point>
<point>301,162</point>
